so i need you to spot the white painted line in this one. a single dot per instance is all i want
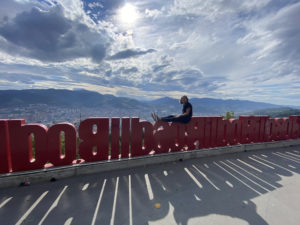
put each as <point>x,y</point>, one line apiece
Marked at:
<point>68,221</point>
<point>85,186</point>
<point>252,174</point>
<point>31,208</point>
<point>295,155</point>
<point>130,199</point>
<point>113,213</point>
<point>274,164</point>
<point>285,157</point>
<point>237,178</point>
<point>244,176</point>
<point>247,164</point>
<point>5,202</point>
<point>55,203</point>
<point>292,166</point>
<point>271,167</point>
<point>159,181</point>
<point>229,184</point>
<point>98,203</point>
<point>197,198</point>
<point>290,156</point>
<point>206,178</point>
<point>149,188</point>
<point>193,177</point>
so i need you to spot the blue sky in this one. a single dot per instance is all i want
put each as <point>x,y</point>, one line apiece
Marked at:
<point>145,49</point>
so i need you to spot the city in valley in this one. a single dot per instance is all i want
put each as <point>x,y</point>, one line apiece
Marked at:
<point>49,115</point>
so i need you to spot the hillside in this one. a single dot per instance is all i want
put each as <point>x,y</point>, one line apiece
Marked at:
<point>277,112</point>
<point>164,106</point>
<point>209,106</point>
<point>64,98</point>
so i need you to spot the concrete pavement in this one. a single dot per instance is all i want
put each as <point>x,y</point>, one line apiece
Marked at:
<point>258,187</point>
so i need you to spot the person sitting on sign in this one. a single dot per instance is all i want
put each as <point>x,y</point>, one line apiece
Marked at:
<point>185,117</point>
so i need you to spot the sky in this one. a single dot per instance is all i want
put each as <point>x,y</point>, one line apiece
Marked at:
<point>146,49</point>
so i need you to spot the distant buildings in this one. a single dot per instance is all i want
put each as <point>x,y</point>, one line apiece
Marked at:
<point>48,115</point>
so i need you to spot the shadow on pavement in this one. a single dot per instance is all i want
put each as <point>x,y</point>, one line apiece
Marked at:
<point>223,185</point>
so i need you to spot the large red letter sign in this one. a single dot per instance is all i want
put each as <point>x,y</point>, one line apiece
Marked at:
<point>54,144</point>
<point>92,140</point>
<point>23,156</point>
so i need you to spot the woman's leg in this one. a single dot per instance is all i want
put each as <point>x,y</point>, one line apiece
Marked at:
<point>170,118</point>
<point>181,119</point>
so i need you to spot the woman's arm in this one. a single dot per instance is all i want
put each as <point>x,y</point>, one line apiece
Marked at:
<point>188,110</point>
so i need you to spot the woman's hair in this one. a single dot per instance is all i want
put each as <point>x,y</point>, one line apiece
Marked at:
<point>184,96</point>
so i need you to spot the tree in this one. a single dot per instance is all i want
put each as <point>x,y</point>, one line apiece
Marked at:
<point>229,115</point>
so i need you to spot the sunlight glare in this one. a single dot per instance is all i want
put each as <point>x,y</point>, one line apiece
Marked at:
<point>128,14</point>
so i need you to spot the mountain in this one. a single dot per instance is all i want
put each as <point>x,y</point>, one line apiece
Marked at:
<point>165,106</point>
<point>89,99</point>
<point>209,106</point>
<point>220,106</point>
<point>277,112</point>
<point>64,98</point>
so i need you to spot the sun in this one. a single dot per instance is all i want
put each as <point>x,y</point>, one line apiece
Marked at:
<point>128,14</point>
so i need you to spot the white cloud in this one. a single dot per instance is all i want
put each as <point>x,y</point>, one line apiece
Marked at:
<point>95,5</point>
<point>217,9</point>
<point>222,49</point>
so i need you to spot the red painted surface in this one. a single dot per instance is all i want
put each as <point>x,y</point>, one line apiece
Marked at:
<point>54,151</point>
<point>262,127</point>
<point>138,130</point>
<point>250,126</point>
<point>125,137</point>
<point>147,131</point>
<point>229,132</point>
<point>164,137</point>
<point>94,140</point>
<point>210,131</point>
<point>22,156</point>
<point>5,160</point>
<point>179,142</point>
<point>136,137</point>
<point>294,131</point>
<point>195,133</point>
<point>115,136</point>
<point>130,138</point>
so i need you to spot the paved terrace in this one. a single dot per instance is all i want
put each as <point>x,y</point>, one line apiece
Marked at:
<point>258,187</point>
